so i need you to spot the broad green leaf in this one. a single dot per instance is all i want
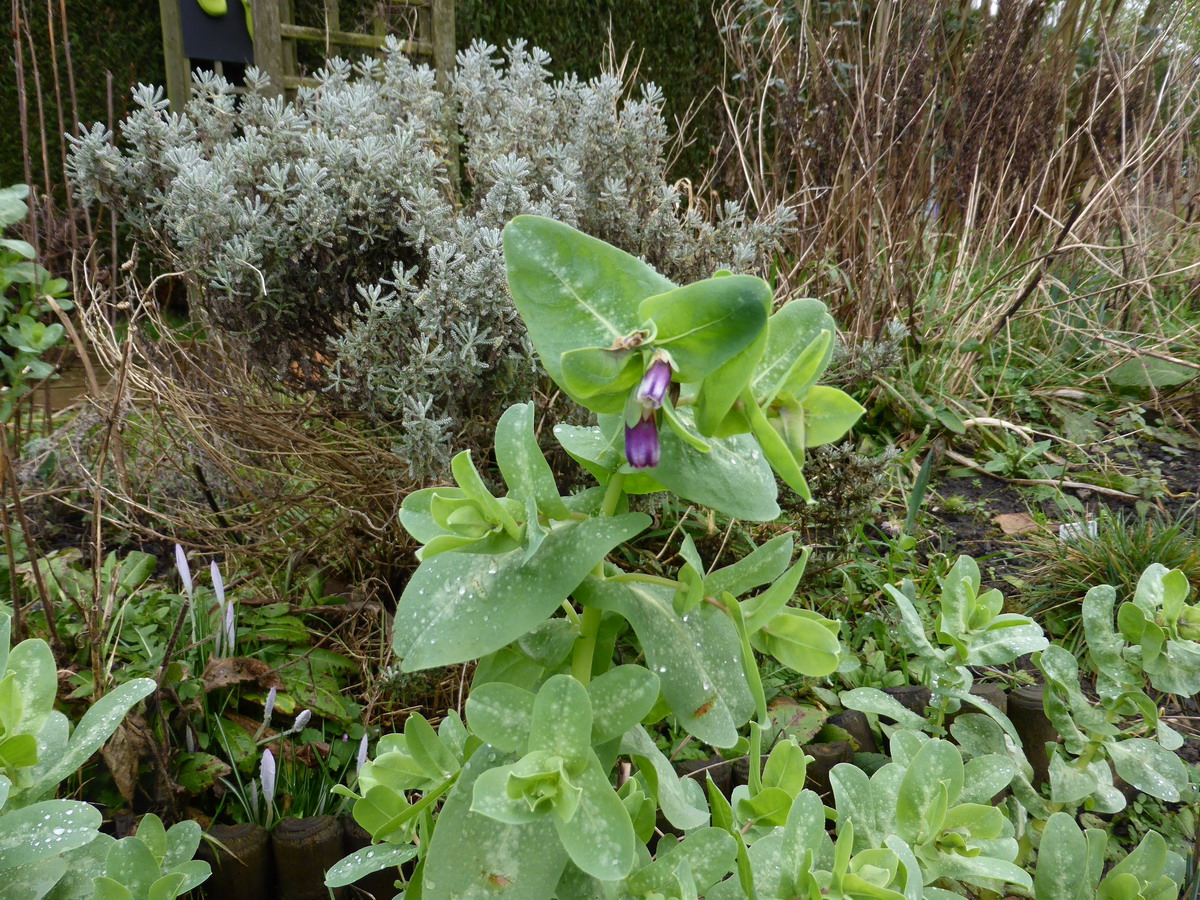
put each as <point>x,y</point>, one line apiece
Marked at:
<point>427,749</point>
<point>762,565</point>
<point>828,414</point>
<point>979,870</point>
<point>1145,862</point>
<point>96,727</point>
<point>761,609</point>
<point>573,290</point>
<point>715,415</point>
<point>697,657</point>
<point>106,888</point>
<point>802,640</point>
<point>12,204</point>
<point>681,806</point>
<point>522,464</point>
<point>1113,674</point>
<point>1179,669</point>
<point>183,838</point>
<point>35,880</point>
<point>35,682</point>
<point>473,856</point>
<point>710,854</point>
<point>600,378</point>
<point>986,776</point>
<point>415,513</point>
<point>501,715</point>
<point>168,887</point>
<point>768,807</point>
<point>150,832</point>
<point>1062,861</point>
<point>705,324</point>
<point>460,606</point>
<point>855,801</point>
<point>132,864</point>
<point>363,862</point>
<point>803,831</point>
<point>800,344</point>
<point>933,780</point>
<point>621,698</point>
<point>1008,637</point>
<point>779,455</point>
<point>45,829</point>
<point>1070,785</point>
<point>732,478</point>
<point>873,700</point>
<point>960,587</point>
<point>471,482</point>
<point>562,720</point>
<point>1148,767</point>
<point>599,838</point>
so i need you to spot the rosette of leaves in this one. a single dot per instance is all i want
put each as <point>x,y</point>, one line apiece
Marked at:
<point>154,864</point>
<point>970,630</point>
<point>1162,628</point>
<point>42,840</point>
<point>800,861</point>
<point>1071,861</point>
<point>419,759</point>
<point>929,807</point>
<point>1093,734</point>
<point>743,398</point>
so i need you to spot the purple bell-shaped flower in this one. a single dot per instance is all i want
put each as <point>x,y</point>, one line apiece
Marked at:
<point>653,388</point>
<point>641,442</point>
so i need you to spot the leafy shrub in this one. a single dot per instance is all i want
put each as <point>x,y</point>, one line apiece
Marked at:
<point>338,239</point>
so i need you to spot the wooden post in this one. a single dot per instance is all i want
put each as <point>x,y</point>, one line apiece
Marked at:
<point>179,79</point>
<point>268,42</point>
<point>442,38</point>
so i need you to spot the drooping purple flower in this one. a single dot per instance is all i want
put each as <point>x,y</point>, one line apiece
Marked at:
<point>653,389</point>
<point>301,721</point>
<point>641,442</point>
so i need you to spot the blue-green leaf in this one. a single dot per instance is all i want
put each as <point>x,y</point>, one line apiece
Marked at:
<point>460,606</point>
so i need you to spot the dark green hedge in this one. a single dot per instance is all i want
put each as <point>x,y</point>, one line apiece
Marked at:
<point>123,38</point>
<point>676,41</point>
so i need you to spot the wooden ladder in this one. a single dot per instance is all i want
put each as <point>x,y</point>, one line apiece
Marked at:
<point>276,34</point>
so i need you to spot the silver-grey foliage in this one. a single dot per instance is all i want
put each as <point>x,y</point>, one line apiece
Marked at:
<point>352,236</point>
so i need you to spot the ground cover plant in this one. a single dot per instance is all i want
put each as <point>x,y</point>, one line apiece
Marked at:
<point>518,799</point>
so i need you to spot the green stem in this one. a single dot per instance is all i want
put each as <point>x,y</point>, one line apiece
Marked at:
<point>585,645</point>
<point>755,778</point>
<point>612,494</point>
<point>589,626</point>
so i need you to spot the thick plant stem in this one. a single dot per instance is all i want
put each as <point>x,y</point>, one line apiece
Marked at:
<point>589,628</point>
<point>585,645</point>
